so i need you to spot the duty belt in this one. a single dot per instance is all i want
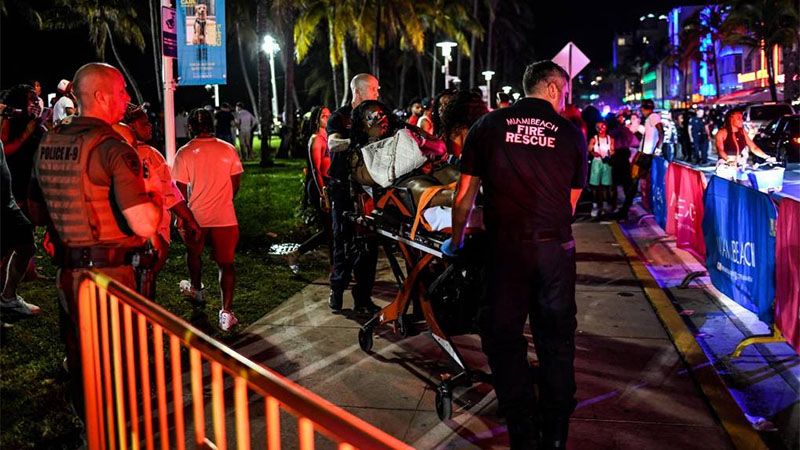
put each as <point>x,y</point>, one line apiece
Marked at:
<point>88,257</point>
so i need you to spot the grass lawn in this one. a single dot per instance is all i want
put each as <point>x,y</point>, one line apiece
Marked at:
<point>34,412</point>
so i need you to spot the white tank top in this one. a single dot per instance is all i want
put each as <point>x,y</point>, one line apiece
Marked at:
<point>602,146</point>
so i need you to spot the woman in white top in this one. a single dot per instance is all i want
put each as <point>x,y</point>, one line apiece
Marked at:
<point>601,147</point>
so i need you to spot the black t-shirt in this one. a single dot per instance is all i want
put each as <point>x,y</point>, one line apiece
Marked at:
<point>528,158</point>
<point>340,122</point>
<point>224,121</point>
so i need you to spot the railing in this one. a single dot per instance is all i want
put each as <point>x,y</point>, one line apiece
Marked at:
<point>123,337</point>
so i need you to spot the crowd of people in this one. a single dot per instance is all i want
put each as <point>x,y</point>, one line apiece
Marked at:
<point>89,169</point>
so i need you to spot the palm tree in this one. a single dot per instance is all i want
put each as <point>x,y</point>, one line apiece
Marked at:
<point>155,37</point>
<point>705,23</point>
<point>242,11</point>
<point>264,108</point>
<point>104,21</point>
<point>762,25</point>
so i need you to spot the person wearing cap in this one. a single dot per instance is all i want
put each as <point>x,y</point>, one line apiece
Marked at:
<point>65,106</point>
<point>157,179</point>
<point>531,163</point>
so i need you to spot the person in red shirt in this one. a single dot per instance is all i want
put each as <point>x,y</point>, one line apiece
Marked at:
<point>320,161</point>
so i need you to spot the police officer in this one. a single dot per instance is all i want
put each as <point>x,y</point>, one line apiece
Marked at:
<point>349,255</point>
<point>88,188</point>
<point>532,164</point>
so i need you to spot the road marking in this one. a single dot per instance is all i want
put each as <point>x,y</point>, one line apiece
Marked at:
<point>713,387</point>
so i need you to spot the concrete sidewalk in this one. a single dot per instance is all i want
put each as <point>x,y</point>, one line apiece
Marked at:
<point>634,391</point>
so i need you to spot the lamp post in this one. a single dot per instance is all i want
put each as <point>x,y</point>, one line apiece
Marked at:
<point>507,89</point>
<point>487,75</point>
<point>447,54</point>
<point>270,47</point>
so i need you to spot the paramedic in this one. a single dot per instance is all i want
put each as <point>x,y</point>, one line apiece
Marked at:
<point>532,164</point>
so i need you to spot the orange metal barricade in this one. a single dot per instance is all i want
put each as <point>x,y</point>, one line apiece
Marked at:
<point>128,341</point>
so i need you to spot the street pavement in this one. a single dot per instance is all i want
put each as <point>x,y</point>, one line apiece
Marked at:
<point>634,391</point>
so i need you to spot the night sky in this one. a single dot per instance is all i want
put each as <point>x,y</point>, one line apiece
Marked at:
<point>50,56</point>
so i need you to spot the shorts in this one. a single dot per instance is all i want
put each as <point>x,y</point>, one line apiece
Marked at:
<point>600,173</point>
<point>223,242</point>
<point>17,231</point>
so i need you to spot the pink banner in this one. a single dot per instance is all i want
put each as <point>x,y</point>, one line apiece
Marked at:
<point>787,272</point>
<point>685,208</point>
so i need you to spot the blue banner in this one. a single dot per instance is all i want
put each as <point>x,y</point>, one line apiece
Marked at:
<point>739,229</point>
<point>658,190</point>
<point>201,42</point>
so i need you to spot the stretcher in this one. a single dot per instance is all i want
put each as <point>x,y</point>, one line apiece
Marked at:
<point>449,293</point>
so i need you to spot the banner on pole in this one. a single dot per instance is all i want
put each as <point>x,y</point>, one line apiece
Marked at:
<point>739,227</point>
<point>658,190</point>
<point>787,272</point>
<point>685,209</point>
<point>169,36</point>
<point>201,42</point>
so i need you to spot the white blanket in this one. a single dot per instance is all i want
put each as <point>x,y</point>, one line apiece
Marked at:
<point>391,158</point>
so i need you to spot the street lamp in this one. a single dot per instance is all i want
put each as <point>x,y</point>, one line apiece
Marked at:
<point>270,47</point>
<point>506,89</point>
<point>487,75</point>
<point>447,54</point>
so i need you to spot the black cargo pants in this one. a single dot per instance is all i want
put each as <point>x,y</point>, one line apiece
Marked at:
<point>351,255</point>
<point>531,278</point>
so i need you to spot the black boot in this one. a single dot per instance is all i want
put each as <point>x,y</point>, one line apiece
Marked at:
<point>335,301</point>
<point>523,433</point>
<point>554,433</point>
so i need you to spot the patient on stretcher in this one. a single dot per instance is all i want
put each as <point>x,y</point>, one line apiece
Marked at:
<point>402,157</point>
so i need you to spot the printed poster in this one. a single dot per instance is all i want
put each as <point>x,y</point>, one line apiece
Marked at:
<point>739,225</point>
<point>201,42</point>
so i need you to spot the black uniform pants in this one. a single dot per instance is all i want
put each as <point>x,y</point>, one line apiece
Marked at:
<point>352,255</point>
<point>536,280</point>
<point>68,282</point>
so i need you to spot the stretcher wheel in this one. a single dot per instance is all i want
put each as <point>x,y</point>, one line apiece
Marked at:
<point>402,326</point>
<point>365,339</point>
<point>444,402</point>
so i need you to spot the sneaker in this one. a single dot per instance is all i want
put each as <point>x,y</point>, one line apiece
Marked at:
<point>19,306</point>
<point>595,211</point>
<point>335,302</point>
<point>367,308</point>
<point>227,320</point>
<point>195,296</point>
<point>293,260</point>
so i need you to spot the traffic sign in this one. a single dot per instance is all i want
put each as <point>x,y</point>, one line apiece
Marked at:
<point>573,60</point>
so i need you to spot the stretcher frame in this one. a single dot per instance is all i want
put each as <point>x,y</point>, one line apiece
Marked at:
<point>419,248</point>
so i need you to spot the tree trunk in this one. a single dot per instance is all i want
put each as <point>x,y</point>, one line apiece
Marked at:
<point>331,44</point>
<point>433,73</point>
<point>122,67</point>
<point>773,90</point>
<point>287,25</point>
<point>472,45</point>
<point>376,70</point>
<point>247,84</point>
<point>155,27</point>
<point>345,74</point>
<point>265,114</point>
<point>422,74</point>
<point>401,95</point>
<point>458,66</point>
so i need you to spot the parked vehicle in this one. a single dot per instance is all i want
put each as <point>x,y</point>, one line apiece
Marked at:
<point>781,138</point>
<point>757,115</point>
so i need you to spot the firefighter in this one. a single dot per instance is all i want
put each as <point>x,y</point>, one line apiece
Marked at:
<point>89,190</point>
<point>532,164</point>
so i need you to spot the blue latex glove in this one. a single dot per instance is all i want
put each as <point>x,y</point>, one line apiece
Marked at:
<point>448,249</point>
